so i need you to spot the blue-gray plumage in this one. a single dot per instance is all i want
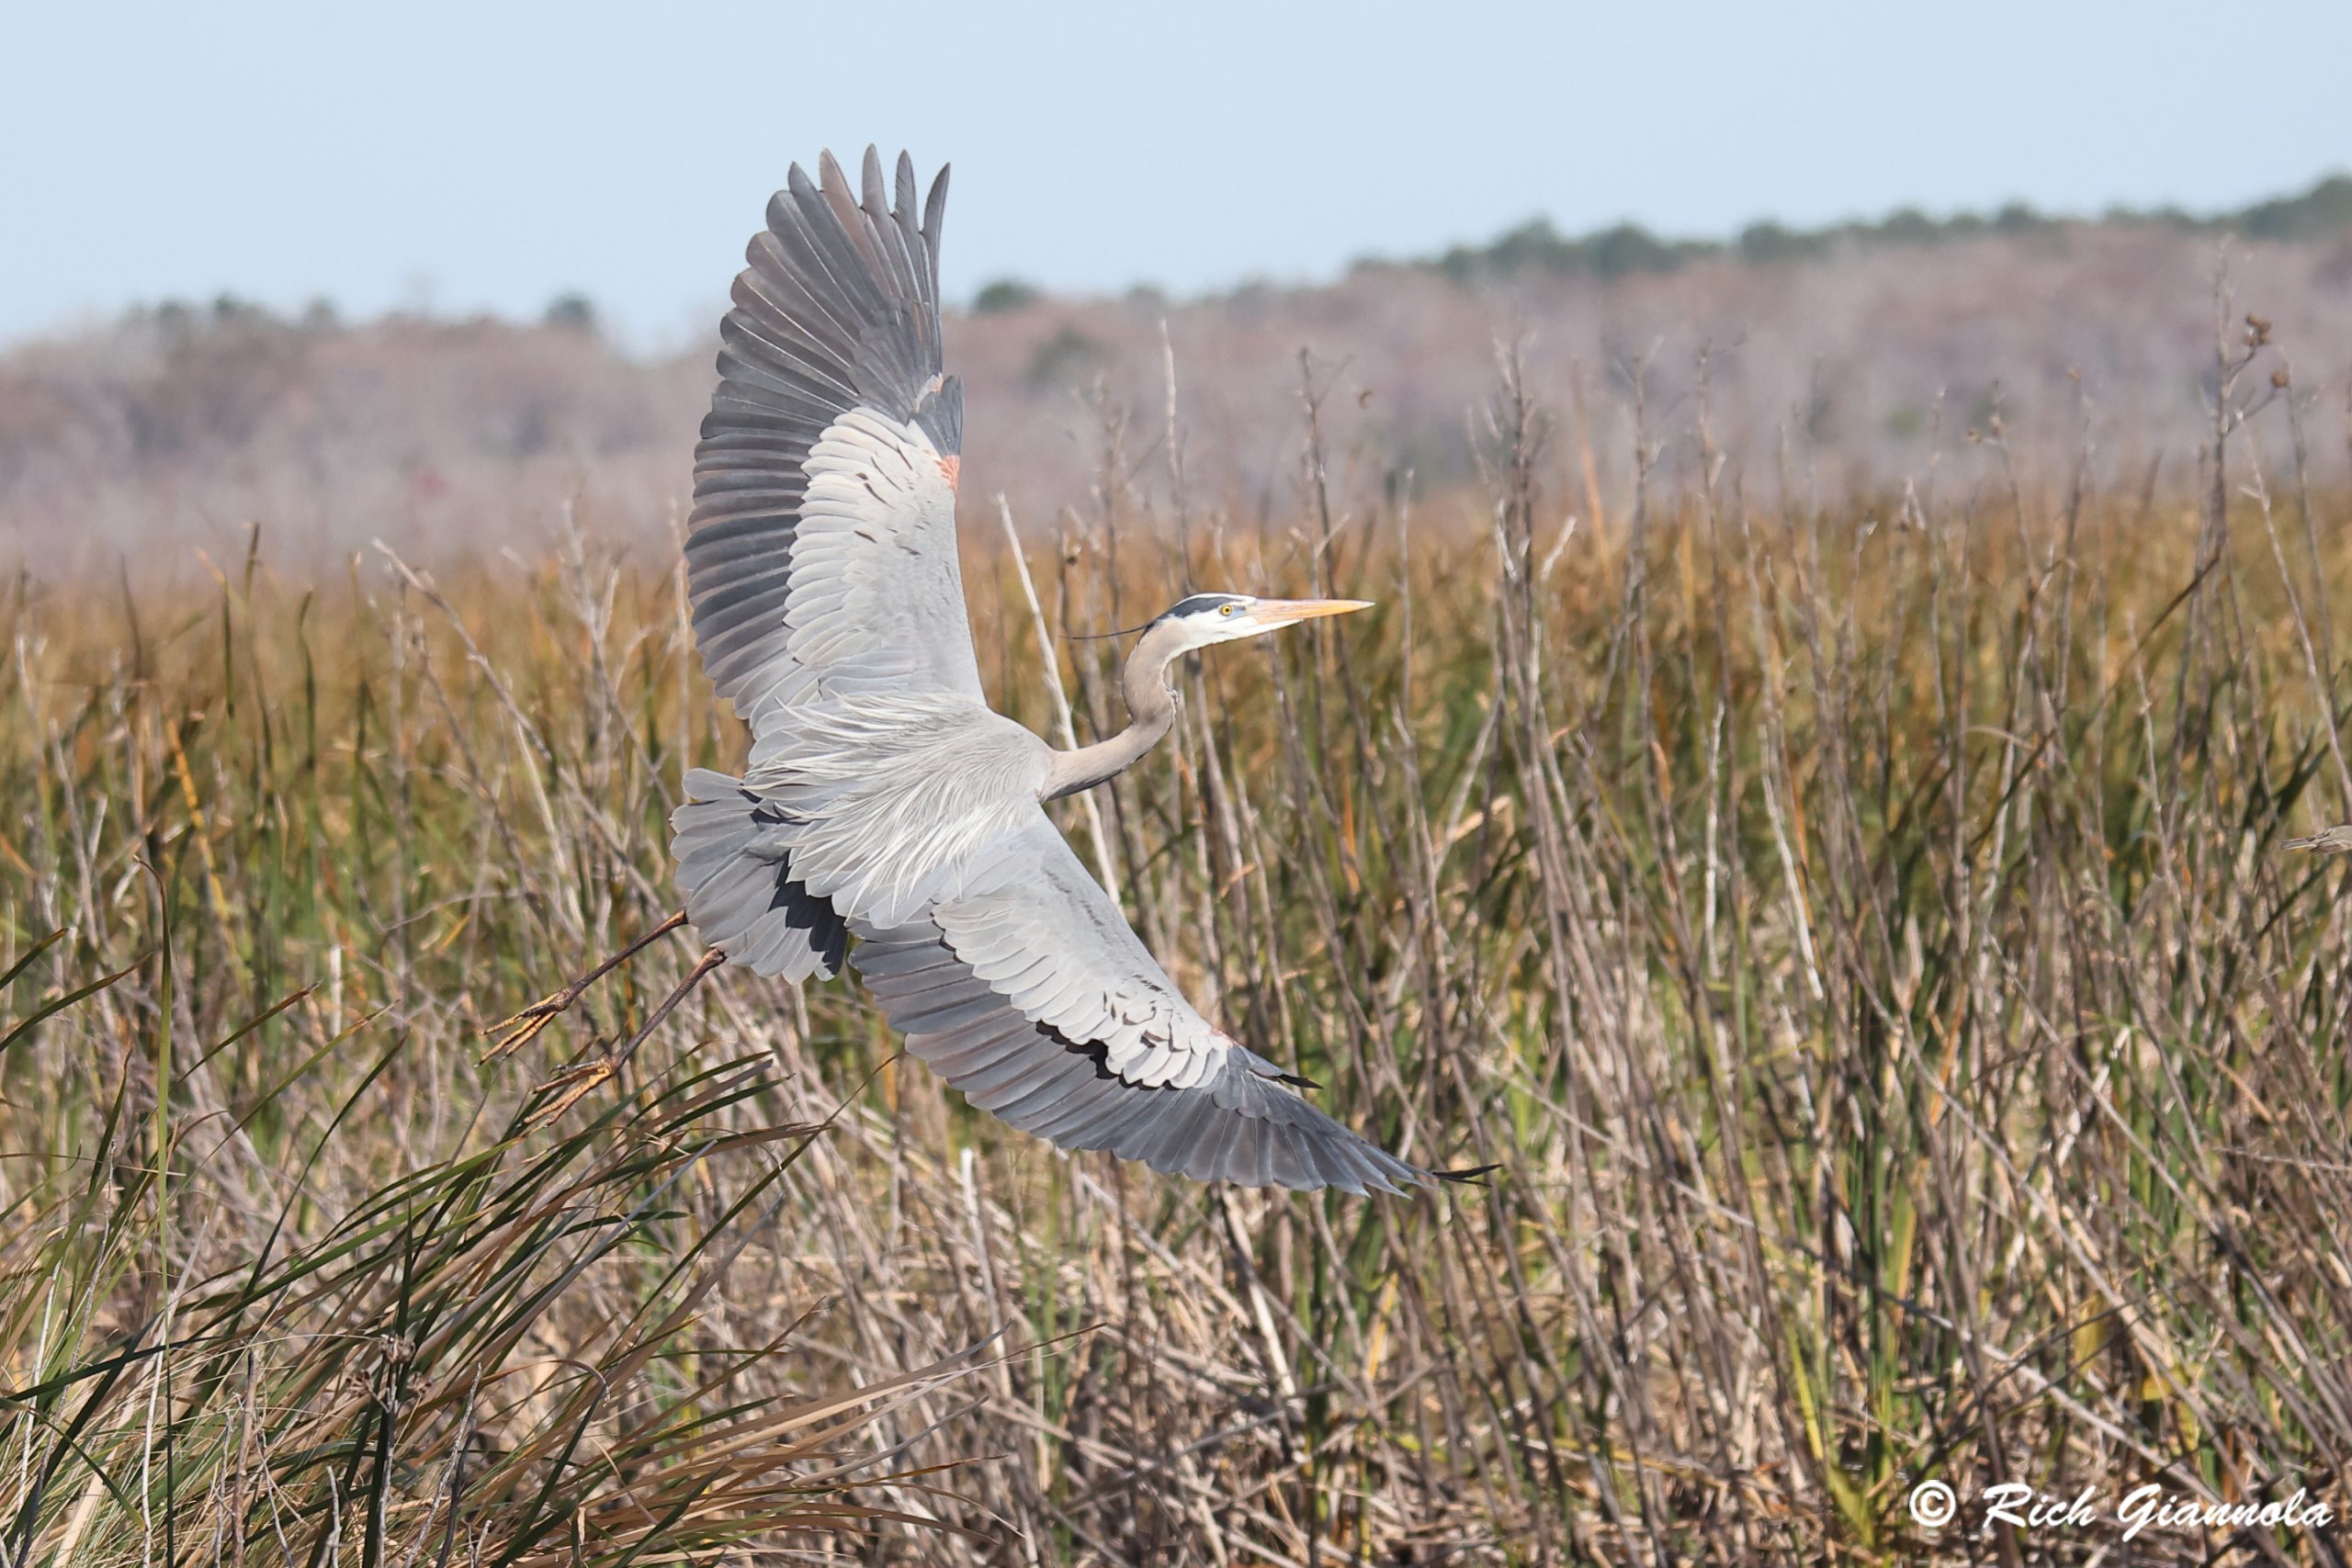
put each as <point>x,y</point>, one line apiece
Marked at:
<point>883,800</point>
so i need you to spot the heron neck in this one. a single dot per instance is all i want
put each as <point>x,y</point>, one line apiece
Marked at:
<point>1152,714</point>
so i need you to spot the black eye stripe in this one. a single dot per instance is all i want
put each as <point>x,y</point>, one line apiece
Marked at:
<point>1201,604</point>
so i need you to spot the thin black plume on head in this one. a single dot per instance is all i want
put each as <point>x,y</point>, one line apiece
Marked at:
<point>1097,636</point>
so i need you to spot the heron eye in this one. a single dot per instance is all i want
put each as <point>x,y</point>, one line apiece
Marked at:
<point>1224,609</point>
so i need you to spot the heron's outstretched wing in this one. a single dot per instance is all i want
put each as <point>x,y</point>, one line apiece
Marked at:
<point>1031,993</point>
<point>821,558</point>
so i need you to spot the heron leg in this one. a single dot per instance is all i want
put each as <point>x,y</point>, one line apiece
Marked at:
<point>510,1034</point>
<point>570,1086</point>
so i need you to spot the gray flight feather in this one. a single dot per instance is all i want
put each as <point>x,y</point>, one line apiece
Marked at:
<point>824,483</point>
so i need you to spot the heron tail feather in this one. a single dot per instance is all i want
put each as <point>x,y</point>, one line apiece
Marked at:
<point>741,893</point>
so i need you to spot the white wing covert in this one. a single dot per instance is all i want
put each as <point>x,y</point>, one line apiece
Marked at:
<point>1037,928</point>
<point>1028,992</point>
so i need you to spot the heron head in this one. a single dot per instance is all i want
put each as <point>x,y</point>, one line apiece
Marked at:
<point>1206,618</point>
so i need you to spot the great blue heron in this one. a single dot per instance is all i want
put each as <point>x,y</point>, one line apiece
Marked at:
<point>883,800</point>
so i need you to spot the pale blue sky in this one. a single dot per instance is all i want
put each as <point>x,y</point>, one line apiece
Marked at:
<point>485,155</point>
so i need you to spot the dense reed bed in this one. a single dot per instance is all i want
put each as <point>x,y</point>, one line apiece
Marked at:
<point>1864,933</point>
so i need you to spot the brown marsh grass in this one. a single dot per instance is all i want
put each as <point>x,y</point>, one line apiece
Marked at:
<point>1864,933</point>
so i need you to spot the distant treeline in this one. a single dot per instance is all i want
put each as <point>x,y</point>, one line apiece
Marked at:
<point>1537,247</point>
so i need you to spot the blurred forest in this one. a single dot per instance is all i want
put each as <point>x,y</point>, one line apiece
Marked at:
<point>1838,361</point>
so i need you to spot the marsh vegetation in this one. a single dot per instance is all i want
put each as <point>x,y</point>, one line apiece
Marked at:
<point>1858,919</point>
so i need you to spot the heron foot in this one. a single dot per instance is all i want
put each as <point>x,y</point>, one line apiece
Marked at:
<point>510,1034</point>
